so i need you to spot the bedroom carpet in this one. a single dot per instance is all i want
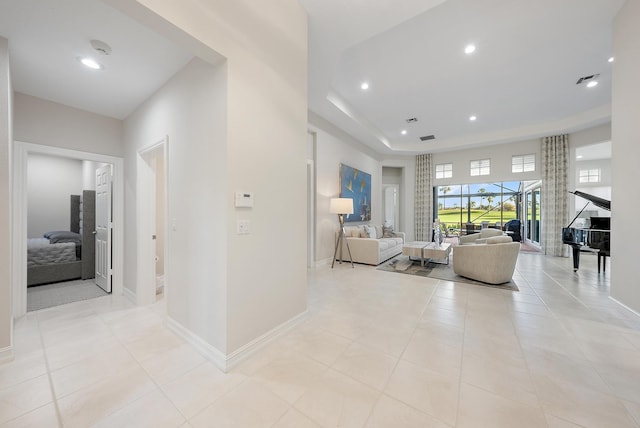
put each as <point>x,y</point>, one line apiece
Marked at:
<point>46,296</point>
<point>402,264</point>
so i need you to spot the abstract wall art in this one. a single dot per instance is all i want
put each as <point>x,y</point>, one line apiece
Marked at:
<point>356,184</point>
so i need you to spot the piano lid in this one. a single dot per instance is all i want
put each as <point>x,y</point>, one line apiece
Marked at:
<point>598,202</point>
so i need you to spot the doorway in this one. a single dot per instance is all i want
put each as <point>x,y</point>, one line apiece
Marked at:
<point>151,223</point>
<point>21,152</point>
<point>532,215</point>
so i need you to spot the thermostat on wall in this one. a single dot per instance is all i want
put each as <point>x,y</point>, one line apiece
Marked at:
<point>244,199</point>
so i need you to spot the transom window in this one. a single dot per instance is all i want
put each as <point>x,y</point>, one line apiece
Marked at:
<point>444,170</point>
<point>589,175</point>
<point>480,167</point>
<point>523,163</point>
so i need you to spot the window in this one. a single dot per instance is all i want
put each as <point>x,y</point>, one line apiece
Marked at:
<point>523,163</point>
<point>444,170</point>
<point>481,167</point>
<point>589,175</point>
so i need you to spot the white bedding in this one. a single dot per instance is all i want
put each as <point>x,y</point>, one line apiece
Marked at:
<point>41,252</point>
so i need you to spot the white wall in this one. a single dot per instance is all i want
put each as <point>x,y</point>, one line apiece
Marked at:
<point>500,156</point>
<point>189,109</point>
<point>333,147</point>
<point>50,182</point>
<point>6,139</point>
<point>586,137</point>
<point>51,124</point>
<point>625,154</point>
<point>601,189</point>
<point>407,165</point>
<point>265,45</point>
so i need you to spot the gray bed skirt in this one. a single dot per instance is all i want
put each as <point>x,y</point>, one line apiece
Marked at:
<point>45,274</point>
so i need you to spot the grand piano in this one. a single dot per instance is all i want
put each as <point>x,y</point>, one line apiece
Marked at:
<point>594,239</point>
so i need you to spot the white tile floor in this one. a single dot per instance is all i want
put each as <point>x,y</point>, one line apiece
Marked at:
<point>379,349</point>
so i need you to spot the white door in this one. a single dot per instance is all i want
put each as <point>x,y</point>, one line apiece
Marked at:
<point>103,228</point>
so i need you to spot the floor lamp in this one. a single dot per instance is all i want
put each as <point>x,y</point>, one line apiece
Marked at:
<point>341,206</point>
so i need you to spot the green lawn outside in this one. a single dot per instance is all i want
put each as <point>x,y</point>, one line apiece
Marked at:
<point>452,217</point>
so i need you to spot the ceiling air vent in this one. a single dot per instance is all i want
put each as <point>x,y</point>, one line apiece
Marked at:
<point>587,78</point>
<point>428,137</point>
<point>412,120</point>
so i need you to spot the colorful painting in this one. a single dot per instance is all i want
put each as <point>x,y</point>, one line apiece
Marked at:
<point>356,185</point>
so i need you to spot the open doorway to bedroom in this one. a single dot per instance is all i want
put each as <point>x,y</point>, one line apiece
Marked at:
<point>53,195</point>
<point>65,261</point>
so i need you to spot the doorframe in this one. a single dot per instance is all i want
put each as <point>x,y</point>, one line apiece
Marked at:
<point>146,283</point>
<point>311,214</point>
<point>21,152</point>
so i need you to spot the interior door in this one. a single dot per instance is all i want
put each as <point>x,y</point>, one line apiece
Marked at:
<point>103,228</point>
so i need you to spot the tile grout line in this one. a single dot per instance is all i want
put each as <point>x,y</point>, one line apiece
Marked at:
<point>49,377</point>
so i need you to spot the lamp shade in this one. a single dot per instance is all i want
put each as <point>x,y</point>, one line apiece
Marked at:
<point>341,206</point>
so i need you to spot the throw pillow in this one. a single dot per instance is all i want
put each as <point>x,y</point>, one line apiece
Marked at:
<point>387,231</point>
<point>499,240</point>
<point>371,231</point>
<point>378,231</point>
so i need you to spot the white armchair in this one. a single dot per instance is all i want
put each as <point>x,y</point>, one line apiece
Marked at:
<point>483,234</point>
<point>493,262</point>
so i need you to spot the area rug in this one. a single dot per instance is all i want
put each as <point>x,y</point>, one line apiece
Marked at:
<point>46,296</point>
<point>402,264</point>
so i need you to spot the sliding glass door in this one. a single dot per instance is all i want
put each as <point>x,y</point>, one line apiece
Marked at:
<point>532,221</point>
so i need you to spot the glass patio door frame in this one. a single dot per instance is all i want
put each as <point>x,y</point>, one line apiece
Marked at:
<point>532,208</point>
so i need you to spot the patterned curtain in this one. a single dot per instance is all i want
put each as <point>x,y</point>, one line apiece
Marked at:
<point>555,200</point>
<point>424,198</point>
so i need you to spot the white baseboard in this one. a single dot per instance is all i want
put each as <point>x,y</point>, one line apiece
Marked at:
<point>226,362</point>
<point>252,347</point>
<point>625,306</point>
<point>6,354</point>
<point>209,352</point>
<point>130,295</point>
<point>324,262</point>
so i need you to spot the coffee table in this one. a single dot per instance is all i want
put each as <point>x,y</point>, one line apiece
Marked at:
<point>427,251</point>
<point>438,252</point>
<point>414,249</point>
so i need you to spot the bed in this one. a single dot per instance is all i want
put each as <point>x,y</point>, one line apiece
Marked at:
<point>65,255</point>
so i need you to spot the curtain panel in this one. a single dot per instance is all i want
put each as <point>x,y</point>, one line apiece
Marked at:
<point>555,201</point>
<point>424,198</point>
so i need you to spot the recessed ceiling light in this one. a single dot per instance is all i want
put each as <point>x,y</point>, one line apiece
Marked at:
<point>611,59</point>
<point>470,49</point>
<point>364,86</point>
<point>93,64</point>
<point>403,132</point>
<point>579,157</point>
<point>472,118</point>
<point>592,84</point>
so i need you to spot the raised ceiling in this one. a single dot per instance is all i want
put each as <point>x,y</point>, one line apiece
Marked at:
<point>520,82</point>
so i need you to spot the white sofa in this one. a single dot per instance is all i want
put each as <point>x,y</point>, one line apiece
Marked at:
<point>371,251</point>
<point>492,262</point>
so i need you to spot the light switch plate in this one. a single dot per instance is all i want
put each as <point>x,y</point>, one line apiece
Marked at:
<point>243,227</point>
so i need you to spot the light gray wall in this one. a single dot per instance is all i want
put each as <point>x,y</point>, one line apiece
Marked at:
<point>500,156</point>
<point>51,124</point>
<point>406,165</point>
<point>265,124</point>
<point>189,109</point>
<point>50,182</point>
<point>625,154</point>
<point>334,147</point>
<point>6,139</point>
